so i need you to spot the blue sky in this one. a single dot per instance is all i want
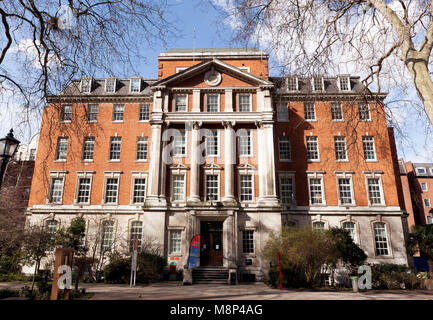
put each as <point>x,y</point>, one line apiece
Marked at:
<point>212,33</point>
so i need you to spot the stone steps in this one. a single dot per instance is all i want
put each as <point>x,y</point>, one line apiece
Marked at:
<point>211,275</point>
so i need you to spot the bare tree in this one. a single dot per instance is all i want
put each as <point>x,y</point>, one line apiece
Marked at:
<point>387,41</point>
<point>44,44</point>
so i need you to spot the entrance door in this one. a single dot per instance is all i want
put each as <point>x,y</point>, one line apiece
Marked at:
<point>211,248</point>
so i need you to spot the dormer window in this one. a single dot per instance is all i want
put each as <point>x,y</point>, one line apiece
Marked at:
<point>110,85</point>
<point>344,83</point>
<point>135,85</point>
<point>292,83</point>
<point>86,85</point>
<point>318,84</point>
<point>421,171</point>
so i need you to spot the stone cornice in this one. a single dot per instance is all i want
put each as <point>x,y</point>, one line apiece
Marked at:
<point>323,96</point>
<point>99,99</point>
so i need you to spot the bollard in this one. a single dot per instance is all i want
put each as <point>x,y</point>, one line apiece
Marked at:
<point>354,284</point>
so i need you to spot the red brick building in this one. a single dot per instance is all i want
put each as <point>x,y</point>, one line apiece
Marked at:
<point>216,147</point>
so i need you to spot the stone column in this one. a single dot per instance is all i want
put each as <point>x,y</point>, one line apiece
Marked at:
<point>196,100</point>
<point>229,162</point>
<point>154,179</point>
<point>195,166</point>
<point>228,100</point>
<point>267,174</point>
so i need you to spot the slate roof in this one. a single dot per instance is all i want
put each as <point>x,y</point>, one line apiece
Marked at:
<point>427,165</point>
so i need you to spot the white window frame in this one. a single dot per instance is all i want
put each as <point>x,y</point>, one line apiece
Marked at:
<point>89,138</point>
<point>348,83</point>
<point>325,225</point>
<point>139,112</point>
<point>82,85</point>
<point>422,174</point>
<point>345,175</point>
<point>130,233</point>
<point>83,175</point>
<point>111,175</point>
<point>279,149</point>
<point>356,229</point>
<point>62,114</point>
<point>368,110</point>
<point>56,175</point>
<point>139,85</point>
<point>177,172</point>
<point>218,101</point>
<point>283,106</point>
<point>88,113</point>
<point>246,171</point>
<point>174,102</point>
<point>170,247</point>
<point>288,83</point>
<point>341,109</point>
<point>57,159</point>
<point>317,144</point>
<point>426,186</point>
<point>114,85</point>
<point>374,175</point>
<point>176,155</point>
<point>314,111</point>
<point>316,175</point>
<point>113,240</point>
<point>425,204</point>
<point>218,147</point>
<point>253,230</point>
<point>388,239</point>
<point>251,142</point>
<point>212,172</point>
<point>287,175</point>
<point>146,139</point>
<point>374,149</point>
<point>114,112</point>
<point>314,86</point>
<point>138,175</point>
<point>346,159</point>
<point>238,98</point>
<point>109,150</point>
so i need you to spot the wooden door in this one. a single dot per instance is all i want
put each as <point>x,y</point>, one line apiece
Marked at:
<point>216,249</point>
<point>211,249</point>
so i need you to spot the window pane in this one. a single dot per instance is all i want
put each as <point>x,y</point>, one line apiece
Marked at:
<point>212,187</point>
<point>178,187</point>
<point>142,148</point>
<point>92,112</point>
<point>175,241</point>
<point>144,113</point>
<point>179,143</point>
<point>350,226</point>
<point>381,239</point>
<point>292,84</point>
<point>212,143</point>
<point>317,84</point>
<point>139,190</point>
<point>62,148</point>
<point>309,111</point>
<point>340,148</point>
<point>336,111</point>
<point>118,112</point>
<point>248,241</point>
<point>136,233</point>
<point>111,190</point>
<point>364,112</point>
<point>115,148</point>
<point>212,103</point>
<point>107,236</point>
<point>246,184</point>
<point>284,147</point>
<point>286,189</point>
<point>319,226</point>
<point>345,191</point>
<point>244,143</point>
<point>180,102</point>
<point>135,85</point>
<point>56,190</point>
<point>282,112</point>
<point>67,113</point>
<point>316,191</point>
<point>312,148</point>
<point>244,103</point>
<point>368,145</point>
<point>83,190</point>
<point>89,146</point>
<point>110,85</point>
<point>344,83</point>
<point>374,192</point>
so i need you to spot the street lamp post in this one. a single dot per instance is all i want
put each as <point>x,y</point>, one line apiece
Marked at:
<point>8,147</point>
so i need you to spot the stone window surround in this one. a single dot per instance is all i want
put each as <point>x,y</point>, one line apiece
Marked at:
<point>357,228</point>
<point>83,174</point>
<point>247,171</point>
<point>248,254</point>
<point>138,175</point>
<point>388,238</point>
<point>345,175</point>
<point>178,171</point>
<point>182,235</point>
<point>60,175</point>
<point>212,171</point>
<point>174,101</point>
<point>316,175</point>
<point>251,131</point>
<point>218,137</point>
<point>205,100</point>
<point>378,175</point>
<point>108,175</point>
<point>237,109</point>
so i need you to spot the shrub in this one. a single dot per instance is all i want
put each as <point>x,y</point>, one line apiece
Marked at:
<point>150,267</point>
<point>14,277</point>
<point>290,277</point>
<point>118,270</point>
<point>7,293</point>
<point>394,276</point>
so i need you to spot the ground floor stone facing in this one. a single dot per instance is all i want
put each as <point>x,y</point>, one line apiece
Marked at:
<point>231,238</point>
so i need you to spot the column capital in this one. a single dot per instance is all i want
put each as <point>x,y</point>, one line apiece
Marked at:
<point>228,124</point>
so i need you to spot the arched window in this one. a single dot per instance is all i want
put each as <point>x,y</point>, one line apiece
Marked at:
<point>319,226</point>
<point>381,239</point>
<point>107,235</point>
<point>351,227</point>
<point>51,226</point>
<point>136,233</point>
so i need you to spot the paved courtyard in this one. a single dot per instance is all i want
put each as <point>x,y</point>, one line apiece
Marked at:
<point>255,291</point>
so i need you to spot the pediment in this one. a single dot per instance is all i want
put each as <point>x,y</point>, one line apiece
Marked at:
<point>212,73</point>
<point>246,166</point>
<point>178,166</point>
<point>212,166</point>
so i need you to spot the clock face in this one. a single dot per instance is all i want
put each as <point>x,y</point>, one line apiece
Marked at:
<point>212,78</point>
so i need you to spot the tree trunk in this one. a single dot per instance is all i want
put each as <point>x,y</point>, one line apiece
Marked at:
<point>34,274</point>
<point>430,268</point>
<point>423,83</point>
